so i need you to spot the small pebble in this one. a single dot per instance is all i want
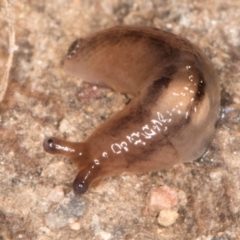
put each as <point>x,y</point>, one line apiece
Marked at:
<point>105,235</point>
<point>75,226</point>
<point>161,198</point>
<point>167,217</point>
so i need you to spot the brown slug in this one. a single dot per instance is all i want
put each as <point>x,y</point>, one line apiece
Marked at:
<point>171,118</point>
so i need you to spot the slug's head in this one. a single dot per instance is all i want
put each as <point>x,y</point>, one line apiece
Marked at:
<point>88,169</point>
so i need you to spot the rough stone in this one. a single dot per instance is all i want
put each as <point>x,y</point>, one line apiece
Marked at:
<point>41,100</point>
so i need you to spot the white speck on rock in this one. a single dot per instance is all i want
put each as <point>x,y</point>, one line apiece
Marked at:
<point>75,226</point>
<point>216,175</point>
<point>56,195</point>
<point>167,217</point>
<point>105,235</point>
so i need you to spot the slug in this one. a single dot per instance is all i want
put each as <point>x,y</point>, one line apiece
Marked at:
<point>172,115</point>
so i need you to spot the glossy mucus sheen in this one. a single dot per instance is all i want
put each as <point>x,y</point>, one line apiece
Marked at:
<point>171,117</point>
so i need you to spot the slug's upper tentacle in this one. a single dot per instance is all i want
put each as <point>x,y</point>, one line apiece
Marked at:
<point>77,151</point>
<point>171,117</point>
<point>59,146</point>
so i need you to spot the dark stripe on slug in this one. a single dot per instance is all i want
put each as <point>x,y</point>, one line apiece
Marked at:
<point>170,70</point>
<point>163,141</point>
<point>72,50</point>
<point>198,98</point>
<point>104,39</point>
<point>155,90</point>
<point>143,109</point>
<point>174,130</point>
<point>143,153</point>
<point>135,36</point>
<point>136,116</point>
<point>158,86</point>
<point>201,88</point>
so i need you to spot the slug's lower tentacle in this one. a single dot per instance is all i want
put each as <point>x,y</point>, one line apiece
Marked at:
<point>85,178</point>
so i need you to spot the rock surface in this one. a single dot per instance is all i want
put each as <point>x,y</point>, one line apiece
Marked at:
<point>36,199</point>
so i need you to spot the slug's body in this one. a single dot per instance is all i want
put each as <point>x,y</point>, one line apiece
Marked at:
<point>171,118</point>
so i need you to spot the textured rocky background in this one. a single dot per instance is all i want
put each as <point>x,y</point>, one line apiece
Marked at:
<point>199,201</point>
